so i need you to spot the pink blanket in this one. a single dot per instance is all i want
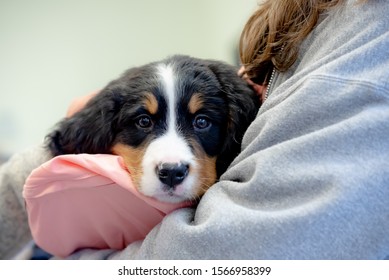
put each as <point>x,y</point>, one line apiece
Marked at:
<point>88,201</point>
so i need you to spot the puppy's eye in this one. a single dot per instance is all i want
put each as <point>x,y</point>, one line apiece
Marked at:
<point>144,121</point>
<point>201,122</point>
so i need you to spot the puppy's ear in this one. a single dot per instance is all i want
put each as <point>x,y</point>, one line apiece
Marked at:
<point>243,105</point>
<point>91,130</point>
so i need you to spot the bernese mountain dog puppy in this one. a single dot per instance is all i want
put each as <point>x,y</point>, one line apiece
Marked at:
<point>177,124</point>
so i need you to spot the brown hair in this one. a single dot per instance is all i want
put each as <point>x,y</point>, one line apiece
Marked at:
<point>278,25</point>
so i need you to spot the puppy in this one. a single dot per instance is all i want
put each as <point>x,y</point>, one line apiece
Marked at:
<point>177,124</point>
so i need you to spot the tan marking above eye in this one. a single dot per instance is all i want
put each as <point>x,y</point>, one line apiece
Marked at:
<point>196,102</point>
<point>151,103</point>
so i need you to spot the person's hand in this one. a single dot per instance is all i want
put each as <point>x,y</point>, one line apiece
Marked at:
<point>259,89</point>
<point>78,103</point>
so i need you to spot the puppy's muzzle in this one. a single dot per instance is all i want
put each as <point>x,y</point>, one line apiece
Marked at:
<point>172,174</point>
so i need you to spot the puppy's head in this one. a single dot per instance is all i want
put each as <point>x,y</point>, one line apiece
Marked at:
<point>177,124</point>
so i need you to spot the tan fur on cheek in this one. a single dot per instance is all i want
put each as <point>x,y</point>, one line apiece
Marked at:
<point>132,159</point>
<point>206,170</point>
<point>207,174</point>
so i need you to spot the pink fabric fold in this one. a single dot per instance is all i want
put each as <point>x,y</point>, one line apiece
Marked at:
<point>88,201</point>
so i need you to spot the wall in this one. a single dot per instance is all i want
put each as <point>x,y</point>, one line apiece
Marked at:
<point>52,51</point>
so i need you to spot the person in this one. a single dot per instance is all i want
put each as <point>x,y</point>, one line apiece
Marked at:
<point>311,181</point>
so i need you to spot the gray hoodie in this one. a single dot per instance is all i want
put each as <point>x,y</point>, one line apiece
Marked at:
<point>312,181</point>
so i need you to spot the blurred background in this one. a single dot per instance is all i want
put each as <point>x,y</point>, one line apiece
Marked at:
<point>52,51</point>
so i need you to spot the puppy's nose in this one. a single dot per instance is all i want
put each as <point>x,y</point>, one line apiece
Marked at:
<point>172,174</point>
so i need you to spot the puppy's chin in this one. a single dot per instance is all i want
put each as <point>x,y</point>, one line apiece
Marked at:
<point>149,185</point>
<point>170,196</point>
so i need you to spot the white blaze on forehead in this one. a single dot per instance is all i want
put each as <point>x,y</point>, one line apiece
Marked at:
<point>170,147</point>
<point>173,147</point>
<point>167,78</point>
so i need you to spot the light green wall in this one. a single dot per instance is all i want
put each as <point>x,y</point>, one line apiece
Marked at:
<point>52,51</point>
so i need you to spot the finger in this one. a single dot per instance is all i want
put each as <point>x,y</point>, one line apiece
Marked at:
<point>78,103</point>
